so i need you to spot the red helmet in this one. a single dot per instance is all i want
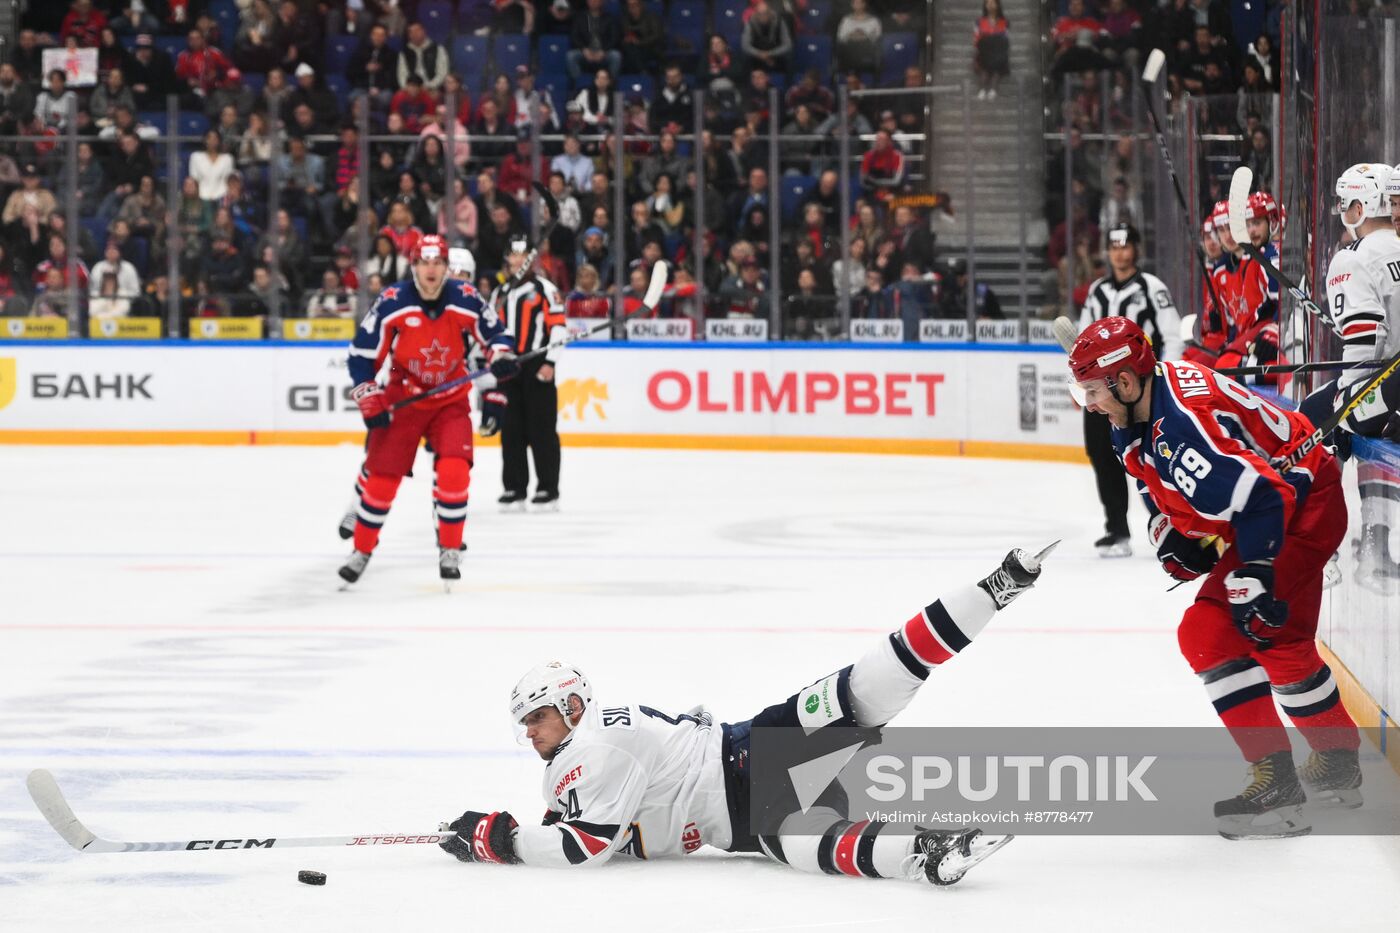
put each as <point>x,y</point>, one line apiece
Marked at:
<point>1108,347</point>
<point>1220,214</point>
<point>431,246</point>
<point>1260,205</point>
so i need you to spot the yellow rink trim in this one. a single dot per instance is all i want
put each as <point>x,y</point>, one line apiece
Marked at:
<point>1369,714</point>
<point>913,447</point>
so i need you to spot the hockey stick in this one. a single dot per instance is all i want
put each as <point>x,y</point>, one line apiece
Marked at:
<point>552,207</point>
<point>1320,433</point>
<point>1065,332</point>
<point>1285,368</point>
<point>1240,183</point>
<point>649,303</point>
<point>49,799</point>
<point>1155,60</point>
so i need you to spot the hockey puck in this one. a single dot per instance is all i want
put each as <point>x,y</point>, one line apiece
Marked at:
<point>311,877</point>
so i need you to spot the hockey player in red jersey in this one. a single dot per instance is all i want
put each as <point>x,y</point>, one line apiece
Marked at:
<point>1254,327</point>
<point>631,780</point>
<point>1208,457</point>
<point>1214,330</point>
<point>423,326</point>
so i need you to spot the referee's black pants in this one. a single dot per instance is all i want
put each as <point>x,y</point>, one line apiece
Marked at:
<point>1108,473</point>
<point>532,412</point>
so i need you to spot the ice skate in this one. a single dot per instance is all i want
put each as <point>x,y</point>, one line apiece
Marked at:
<point>449,563</point>
<point>511,501</point>
<point>354,567</point>
<point>942,858</point>
<point>1114,546</point>
<point>1333,779</point>
<point>1271,807</point>
<point>545,502</point>
<point>1018,572</point>
<point>347,522</point>
<point>1376,569</point>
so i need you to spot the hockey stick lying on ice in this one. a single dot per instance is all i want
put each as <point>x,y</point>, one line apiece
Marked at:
<point>44,789</point>
<point>1240,183</point>
<point>1155,60</point>
<point>649,302</point>
<point>1284,368</point>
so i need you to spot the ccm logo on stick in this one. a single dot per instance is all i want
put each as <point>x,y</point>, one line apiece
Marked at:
<point>231,844</point>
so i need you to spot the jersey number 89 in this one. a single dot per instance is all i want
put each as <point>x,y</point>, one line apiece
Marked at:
<point>1192,467</point>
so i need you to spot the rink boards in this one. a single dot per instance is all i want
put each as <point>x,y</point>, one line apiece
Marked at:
<point>946,399</point>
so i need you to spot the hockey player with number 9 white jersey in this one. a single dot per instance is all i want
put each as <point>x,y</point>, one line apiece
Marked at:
<point>630,780</point>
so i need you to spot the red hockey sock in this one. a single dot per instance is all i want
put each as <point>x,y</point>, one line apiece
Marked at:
<point>1315,706</point>
<point>374,508</point>
<point>450,500</point>
<point>1239,690</point>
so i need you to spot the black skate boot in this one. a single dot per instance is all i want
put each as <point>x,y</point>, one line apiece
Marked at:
<point>511,501</point>
<point>1271,807</point>
<point>347,522</point>
<point>449,561</point>
<point>1017,573</point>
<point>1114,545</point>
<point>545,501</point>
<point>1333,778</point>
<point>354,567</point>
<point>942,858</point>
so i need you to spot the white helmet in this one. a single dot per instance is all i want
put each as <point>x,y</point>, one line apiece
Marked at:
<point>1392,187</point>
<point>461,264</point>
<point>550,684</point>
<point>1365,182</point>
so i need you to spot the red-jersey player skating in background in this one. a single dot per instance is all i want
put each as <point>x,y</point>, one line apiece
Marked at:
<point>1208,457</point>
<point>424,326</point>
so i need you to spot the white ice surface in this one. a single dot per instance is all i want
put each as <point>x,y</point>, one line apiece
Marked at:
<point>174,648</point>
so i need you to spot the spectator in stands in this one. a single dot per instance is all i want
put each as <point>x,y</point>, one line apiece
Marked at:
<point>91,182</point>
<point>811,93</point>
<point>409,195</point>
<point>423,57</point>
<point>57,258</point>
<point>134,19</point>
<point>806,305</point>
<point>911,298</point>
<point>27,237</point>
<point>222,269</point>
<point>558,19</point>
<point>489,197</point>
<point>211,167</point>
<point>84,24</point>
<point>1077,37</point>
<point>373,69</point>
<point>849,274</point>
<point>745,295</point>
<point>755,194</point>
<point>1123,34</point>
<point>500,92</point>
<point>587,299</point>
<point>274,92</point>
<point>230,129</point>
<point>255,146</point>
<point>386,261</point>
<point>1120,207</point>
<point>151,74</point>
<point>992,58</point>
<point>266,292</point>
<point>570,217</point>
<point>827,196</point>
<point>865,225</point>
<point>256,47</point>
<point>872,301</point>
<point>913,240</point>
<point>516,17</point>
<point>594,253</point>
<point>803,146</point>
<point>1262,51</point>
<point>232,92</point>
<point>516,171</point>
<point>115,282</point>
<point>199,69</point>
<point>673,108</point>
<point>494,237</point>
<point>642,230</point>
<point>29,194</point>
<point>953,295</point>
<point>576,168</point>
<point>767,41</point>
<point>883,167</point>
<point>1260,159</point>
<point>112,92</point>
<point>143,211</point>
<point>302,174</point>
<point>595,37</point>
<point>15,286</point>
<point>50,297</point>
<point>1205,51</point>
<point>411,103</point>
<point>720,69</point>
<point>859,124</point>
<point>324,106</point>
<point>461,227</point>
<point>332,299</point>
<point>858,39</point>
<point>666,160</point>
<point>596,103</point>
<point>282,246</point>
<point>489,151</point>
<point>599,194</point>
<point>643,38</point>
<point>51,106</point>
<point>16,100</point>
<point>27,56</point>
<point>298,37</point>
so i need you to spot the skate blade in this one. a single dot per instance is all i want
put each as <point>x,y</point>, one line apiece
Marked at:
<point>1282,823</point>
<point>1335,799</point>
<point>955,864</point>
<point>1032,562</point>
<point>513,507</point>
<point>545,507</point>
<point>1331,573</point>
<point>1116,550</point>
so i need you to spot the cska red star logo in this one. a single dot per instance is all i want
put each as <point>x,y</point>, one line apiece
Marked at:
<point>390,293</point>
<point>435,355</point>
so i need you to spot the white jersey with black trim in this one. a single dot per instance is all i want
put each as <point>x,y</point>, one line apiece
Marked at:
<point>1145,300</point>
<point>1363,290</point>
<point>634,780</point>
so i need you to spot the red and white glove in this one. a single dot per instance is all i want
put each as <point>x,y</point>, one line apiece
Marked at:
<point>1182,558</point>
<point>483,837</point>
<point>374,405</point>
<point>493,412</point>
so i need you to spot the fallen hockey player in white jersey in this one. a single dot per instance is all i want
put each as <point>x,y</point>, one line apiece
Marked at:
<point>632,780</point>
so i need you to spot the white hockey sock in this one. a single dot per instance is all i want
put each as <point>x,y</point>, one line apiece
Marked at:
<point>886,679</point>
<point>820,841</point>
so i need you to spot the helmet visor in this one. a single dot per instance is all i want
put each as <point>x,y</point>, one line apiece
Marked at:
<point>1092,392</point>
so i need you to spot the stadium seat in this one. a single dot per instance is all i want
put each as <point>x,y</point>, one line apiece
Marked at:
<point>225,13</point>
<point>643,86</point>
<point>557,87</point>
<point>193,124</point>
<point>339,50</point>
<point>128,42</point>
<point>96,229</point>
<point>554,52</point>
<point>141,256</point>
<point>436,17</point>
<point>793,191</point>
<point>511,51</point>
<point>469,58</point>
<point>155,118</point>
<point>812,52</point>
<point>814,17</point>
<point>339,85</point>
<point>729,21</point>
<point>898,50</point>
<point>473,15</point>
<point>255,81</point>
<point>172,46</point>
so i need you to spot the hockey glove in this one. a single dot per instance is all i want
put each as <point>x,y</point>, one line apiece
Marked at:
<point>1257,613</point>
<point>493,412</point>
<point>504,365</point>
<point>374,406</point>
<point>483,837</point>
<point>1182,558</point>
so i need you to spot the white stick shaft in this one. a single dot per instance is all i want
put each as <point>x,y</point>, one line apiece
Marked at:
<point>1155,60</point>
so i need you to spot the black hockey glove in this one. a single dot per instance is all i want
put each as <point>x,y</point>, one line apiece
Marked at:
<point>1182,558</point>
<point>493,412</point>
<point>482,837</point>
<point>504,366</point>
<point>1257,612</point>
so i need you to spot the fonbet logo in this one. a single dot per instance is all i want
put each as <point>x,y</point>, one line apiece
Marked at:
<point>581,396</point>
<point>8,380</point>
